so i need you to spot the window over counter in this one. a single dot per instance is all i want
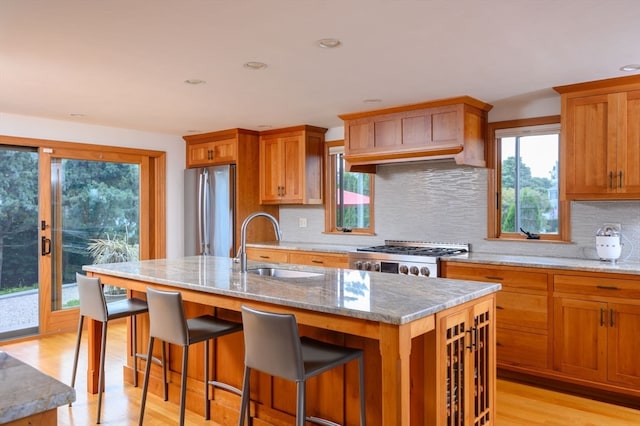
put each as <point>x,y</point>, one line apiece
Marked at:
<point>524,201</point>
<point>349,206</point>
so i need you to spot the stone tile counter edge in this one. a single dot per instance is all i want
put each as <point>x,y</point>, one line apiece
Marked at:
<point>587,265</point>
<point>26,391</point>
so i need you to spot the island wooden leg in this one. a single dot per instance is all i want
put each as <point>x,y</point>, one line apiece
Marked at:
<point>395,350</point>
<point>93,354</point>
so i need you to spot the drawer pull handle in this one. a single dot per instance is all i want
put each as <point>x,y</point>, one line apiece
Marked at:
<point>317,261</point>
<point>601,317</point>
<point>262,256</point>
<point>607,287</point>
<point>499,307</point>
<point>491,277</point>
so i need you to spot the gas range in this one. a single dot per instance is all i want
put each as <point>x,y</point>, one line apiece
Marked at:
<point>419,258</point>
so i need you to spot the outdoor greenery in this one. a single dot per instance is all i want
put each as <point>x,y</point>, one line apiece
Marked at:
<point>100,200</point>
<point>18,219</point>
<point>534,203</point>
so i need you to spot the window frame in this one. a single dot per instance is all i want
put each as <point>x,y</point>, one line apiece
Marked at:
<point>330,196</point>
<point>494,201</point>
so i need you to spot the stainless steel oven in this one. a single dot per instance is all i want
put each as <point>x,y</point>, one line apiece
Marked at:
<point>417,258</point>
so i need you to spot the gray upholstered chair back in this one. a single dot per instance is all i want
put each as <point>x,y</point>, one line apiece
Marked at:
<point>92,301</point>
<point>166,317</point>
<point>272,344</point>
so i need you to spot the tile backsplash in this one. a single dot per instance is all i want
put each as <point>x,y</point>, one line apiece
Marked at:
<point>440,201</point>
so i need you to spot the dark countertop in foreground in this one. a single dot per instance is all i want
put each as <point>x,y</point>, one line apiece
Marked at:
<point>25,391</point>
<point>589,265</point>
<point>386,298</point>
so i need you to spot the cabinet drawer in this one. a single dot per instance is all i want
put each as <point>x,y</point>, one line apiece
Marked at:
<point>605,287</point>
<point>319,259</point>
<point>267,255</point>
<point>511,278</point>
<point>522,310</point>
<point>521,349</point>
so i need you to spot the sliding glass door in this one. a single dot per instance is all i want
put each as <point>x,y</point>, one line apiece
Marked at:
<point>95,210</point>
<point>19,257</point>
<point>64,205</point>
<point>91,214</point>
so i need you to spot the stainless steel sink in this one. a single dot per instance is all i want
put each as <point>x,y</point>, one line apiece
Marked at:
<point>282,273</point>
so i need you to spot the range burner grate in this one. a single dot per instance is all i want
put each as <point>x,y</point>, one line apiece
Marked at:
<point>417,248</point>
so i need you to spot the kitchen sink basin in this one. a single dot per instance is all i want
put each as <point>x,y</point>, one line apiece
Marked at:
<point>282,273</point>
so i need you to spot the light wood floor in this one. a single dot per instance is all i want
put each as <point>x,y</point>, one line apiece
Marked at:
<point>517,404</point>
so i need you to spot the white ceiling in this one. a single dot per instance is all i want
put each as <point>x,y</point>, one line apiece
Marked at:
<point>123,63</point>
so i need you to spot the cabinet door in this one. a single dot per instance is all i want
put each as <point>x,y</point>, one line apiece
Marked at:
<point>211,153</point>
<point>590,145</point>
<point>520,349</point>
<point>270,170</point>
<point>580,338</point>
<point>518,310</point>
<point>467,339</point>
<point>292,165</point>
<point>629,144</point>
<point>624,344</point>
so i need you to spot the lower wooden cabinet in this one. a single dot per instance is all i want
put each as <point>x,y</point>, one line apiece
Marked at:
<point>522,311</point>
<point>597,323</point>
<point>571,326</point>
<point>310,258</point>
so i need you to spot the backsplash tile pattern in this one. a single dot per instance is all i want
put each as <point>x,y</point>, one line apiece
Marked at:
<point>439,201</point>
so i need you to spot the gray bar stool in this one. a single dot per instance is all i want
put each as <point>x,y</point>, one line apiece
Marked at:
<point>167,322</point>
<point>273,346</point>
<point>93,305</point>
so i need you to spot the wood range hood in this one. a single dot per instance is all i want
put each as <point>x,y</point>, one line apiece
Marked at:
<point>453,128</point>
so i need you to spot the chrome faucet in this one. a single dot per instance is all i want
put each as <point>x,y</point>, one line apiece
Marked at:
<point>242,254</point>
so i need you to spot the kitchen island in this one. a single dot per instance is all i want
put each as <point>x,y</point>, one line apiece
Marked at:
<point>429,343</point>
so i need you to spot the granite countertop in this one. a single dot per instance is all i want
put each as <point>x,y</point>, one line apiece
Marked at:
<point>589,265</point>
<point>387,298</point>
<point>317,247</point>
<point>26,391</point>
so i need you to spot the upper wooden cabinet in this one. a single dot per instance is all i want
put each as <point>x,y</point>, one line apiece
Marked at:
<point>601,139</point>
<point>209,149</point>
<point>291,162</point>
<point>449,128</point>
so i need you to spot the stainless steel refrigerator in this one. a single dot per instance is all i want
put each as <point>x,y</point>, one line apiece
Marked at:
<point>209,211</point>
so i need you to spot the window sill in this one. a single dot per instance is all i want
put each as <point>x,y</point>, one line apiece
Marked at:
<point>525,240</point>
<point>358,233</point>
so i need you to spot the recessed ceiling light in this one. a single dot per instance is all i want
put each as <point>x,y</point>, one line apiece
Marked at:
<point>76,114</point>
<point>372,101</point>
<point>265,126</point>
<point>194,81</point>
<point>630,67</point>
<point>254,65</point>
<point>329,43</point>
<point>194,131</point>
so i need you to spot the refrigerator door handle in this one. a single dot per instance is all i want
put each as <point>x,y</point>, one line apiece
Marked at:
<point>202,214</point>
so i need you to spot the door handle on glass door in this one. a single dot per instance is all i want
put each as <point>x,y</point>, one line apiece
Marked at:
<point>45,244</point>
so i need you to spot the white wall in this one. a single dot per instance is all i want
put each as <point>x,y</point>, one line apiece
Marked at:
<point>68,131</point>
